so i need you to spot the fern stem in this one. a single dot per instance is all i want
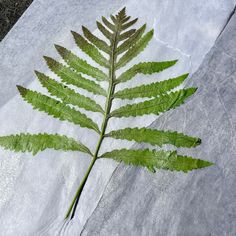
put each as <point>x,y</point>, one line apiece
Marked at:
<point>111,89</point>
<point>78,192</point>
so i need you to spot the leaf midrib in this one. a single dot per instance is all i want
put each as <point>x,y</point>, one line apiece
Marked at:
<point>110,90</point>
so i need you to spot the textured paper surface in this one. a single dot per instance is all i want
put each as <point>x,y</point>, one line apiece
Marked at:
<point>36,191</point>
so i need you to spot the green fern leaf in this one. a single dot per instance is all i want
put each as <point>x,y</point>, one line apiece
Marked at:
<point>125,19</point>
<point>153,160</point>
<point>72,78</point>
<point>155,137</point>
<point>151,90</point>
<point>121,14</point>
<point>113,18</point>
<point>126,34</point>
<point>108,24</point>
<point>80,65</point>
<point>127,25</point>
<point>90,50</point>
<point>100,44</point>
<point>39,142</point>
<point>104,31</point>
<point>131,41</point>
<point>124,45</point>
<point>144,68</point>
<point>56,109</point>
<point>155,106</point>
<point>135,50</point>
<point>67,95</point>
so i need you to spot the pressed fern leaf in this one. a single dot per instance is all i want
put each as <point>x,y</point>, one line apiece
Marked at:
<point>100,44</point>
<point>125,19</point>
<point>131,40</point>
<point>151,90</point>
<point>104,31</point>
<point>38,142</point>
<point>127,25</point>
<point>144,68</point>
<point>56,108</point>
<point>155,137</point>
<point>67,95</point>
<point>113,18</point>
<point>70,77</point>
<point>126,34</point>
<point>157,159</point>
<point>90,50</point>
<point>155,106</point>
<point>121,43</point>
<point>80,65</point>
<point>108,24</point>
<point>135,50</point>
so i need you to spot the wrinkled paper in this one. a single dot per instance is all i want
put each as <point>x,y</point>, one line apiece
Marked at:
<point>36,191</point>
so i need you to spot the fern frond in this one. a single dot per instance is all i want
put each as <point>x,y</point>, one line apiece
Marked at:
<point>135,50</point>
<point>56,108</point>
<point>104,31</point>
<point>155,106</point>
<point>152,160</point>
<point>113,18</point>
<point>127,25</point>
<point>70,77</point>
<point>144,68</point>
<point>100,44</point>
<point>80,65</point>
<point>131,40</point>
<point>121,14</point>
<point>108,24</point>
<point>151,90</point>
<point>90,50</point>
<point>126,34</point>
<point>123,46</point>
<point>155,137</point>
<point>39,142</point>
<point>125,19</point>
<point>67,95</point>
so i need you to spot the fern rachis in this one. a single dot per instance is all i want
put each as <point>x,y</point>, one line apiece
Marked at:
<point>124,45</point>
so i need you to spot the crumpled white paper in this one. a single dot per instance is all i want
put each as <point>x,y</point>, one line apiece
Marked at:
<point>36,191</point>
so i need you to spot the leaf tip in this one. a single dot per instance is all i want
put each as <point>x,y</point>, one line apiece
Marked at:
<point>203,164</point>
<point>185,75</point>
<point>56,45</point>
<point>74,33</point>
<point>21,90</point>
<point>46,58</point>
<point>194,89</point>
<point>198,142</point>
<point>122,11</point>
<point>59,48</point>
<point>37,72</point>
<point>39,75</point>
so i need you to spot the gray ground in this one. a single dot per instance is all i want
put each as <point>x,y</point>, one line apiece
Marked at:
<point>10,12</point>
